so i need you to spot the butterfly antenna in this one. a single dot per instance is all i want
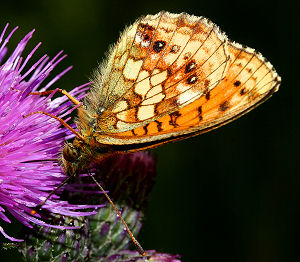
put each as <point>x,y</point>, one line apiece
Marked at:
<point>34,211</point>
<point>64,92</point>
<point>137,244</point>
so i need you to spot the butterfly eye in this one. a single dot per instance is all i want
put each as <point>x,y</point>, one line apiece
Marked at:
<point>70,153</point>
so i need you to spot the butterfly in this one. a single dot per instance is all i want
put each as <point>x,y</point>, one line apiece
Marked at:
<point>169,77</point>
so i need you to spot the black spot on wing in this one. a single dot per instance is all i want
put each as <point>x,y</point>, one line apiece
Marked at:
<point>158,46</point>
<point>174,116</point>
<point>132,131</point>
<point>207,95</point>
<point>147,27</point>
<point>146,129</point>
<point>190,67</point>
<point>200,113</point>
<point>224,106</point>
<point>237,83</point>
<point>243,91</point>
<point>192,79</point>
<point>175,49</point>
<point>159,125</point>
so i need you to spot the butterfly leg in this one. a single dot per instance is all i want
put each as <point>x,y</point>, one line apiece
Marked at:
<point>64,92</point>
<point>60,120</point>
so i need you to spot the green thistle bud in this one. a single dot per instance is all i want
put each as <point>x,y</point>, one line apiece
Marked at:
<point>100,235</point>
<point>129,179</point>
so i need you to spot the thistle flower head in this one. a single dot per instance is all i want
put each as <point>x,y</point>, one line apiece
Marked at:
<point>102,237</point>
<point>133,256</point>
<point>129,178</point>
<point>29,147</point>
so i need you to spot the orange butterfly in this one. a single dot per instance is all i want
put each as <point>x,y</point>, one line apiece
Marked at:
<point>169,77</point>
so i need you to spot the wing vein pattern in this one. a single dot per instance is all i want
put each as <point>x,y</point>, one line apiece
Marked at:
<point>171,76</point>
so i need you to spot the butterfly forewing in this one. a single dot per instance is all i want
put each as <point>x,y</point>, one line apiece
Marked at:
<point>171,61</point>
<point>177,75</point>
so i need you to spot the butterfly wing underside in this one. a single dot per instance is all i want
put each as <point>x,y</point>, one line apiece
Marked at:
<point>173,76</point>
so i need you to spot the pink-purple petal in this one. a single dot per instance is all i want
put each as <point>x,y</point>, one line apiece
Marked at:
<point>28,145</point>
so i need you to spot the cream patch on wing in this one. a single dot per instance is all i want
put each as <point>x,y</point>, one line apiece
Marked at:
<point>132,69</point>
<point>154,99</point>
<point>143,84</point>
<point>123,115</point>
<point>123,126</point>
<point>182,87</point>
<point>120,106</point>
<point>145,112</point>
<point>158,78</point>
<point>188,95</point>
<point>154,91</point>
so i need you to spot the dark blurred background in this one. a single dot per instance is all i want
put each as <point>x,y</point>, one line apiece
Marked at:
<point>228,195</point>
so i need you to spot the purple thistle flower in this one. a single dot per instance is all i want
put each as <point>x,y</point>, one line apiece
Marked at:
<point>30,146</point>
<point>133,256</point>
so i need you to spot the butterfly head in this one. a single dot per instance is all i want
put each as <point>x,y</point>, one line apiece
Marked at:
<point>79,155</point>
<point>70,158</point>
<point>76,156</point>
